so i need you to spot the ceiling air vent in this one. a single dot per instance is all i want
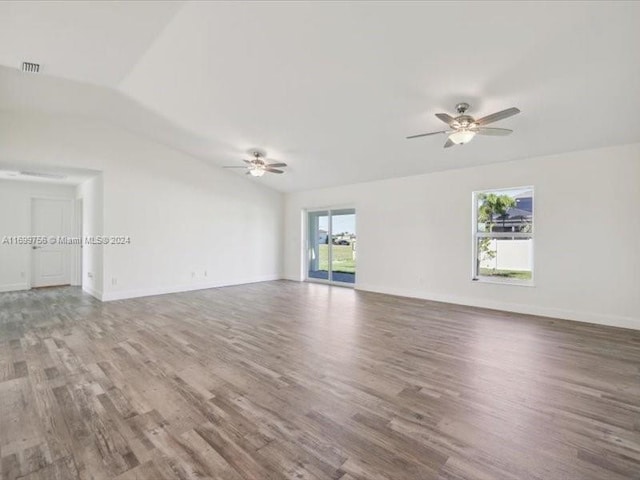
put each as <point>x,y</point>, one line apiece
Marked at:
<point>30,67</point>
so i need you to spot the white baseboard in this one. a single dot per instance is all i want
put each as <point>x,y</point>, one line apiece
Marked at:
<point>14,287</point>
<point>94,293</point>
<point>148,292</point>
<point>293,278</point>
<point>585,317</point>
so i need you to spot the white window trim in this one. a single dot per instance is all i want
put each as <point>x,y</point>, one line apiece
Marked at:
<point>476,234</point>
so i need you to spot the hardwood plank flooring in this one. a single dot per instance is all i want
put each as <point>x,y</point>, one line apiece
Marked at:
<point>287,380</point>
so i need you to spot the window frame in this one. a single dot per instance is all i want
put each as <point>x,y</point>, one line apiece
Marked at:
<point>476,235</point>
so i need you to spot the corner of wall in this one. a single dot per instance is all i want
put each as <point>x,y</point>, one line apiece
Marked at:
<point>94,293</point>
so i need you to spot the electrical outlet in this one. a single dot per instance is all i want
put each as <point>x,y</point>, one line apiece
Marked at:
<point>205,273</point>
<point>114,281</point>
<point>90,274</point>
<point>21,274</point>
<point>193,274</point>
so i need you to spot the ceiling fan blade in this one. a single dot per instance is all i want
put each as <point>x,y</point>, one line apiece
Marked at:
<point>426,134</point>
<point>234,167</point>
<point>273,170</point>
<point>494,117</point>
<point>276,165</point>
<point>492,131</point>
<point>446,118</point>
<point>248,162</point>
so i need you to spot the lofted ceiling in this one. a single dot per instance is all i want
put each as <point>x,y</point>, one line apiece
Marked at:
<point>333,88</point>
<point>97,41</point>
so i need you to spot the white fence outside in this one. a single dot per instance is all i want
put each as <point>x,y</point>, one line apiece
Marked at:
<point>510,255</point>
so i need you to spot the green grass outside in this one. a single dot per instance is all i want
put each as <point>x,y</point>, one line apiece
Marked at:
<point>517,274</point>
<point>343,260</point>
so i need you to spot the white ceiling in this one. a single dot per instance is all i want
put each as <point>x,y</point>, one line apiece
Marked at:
<point>333,88</point>
<point>97,41</point>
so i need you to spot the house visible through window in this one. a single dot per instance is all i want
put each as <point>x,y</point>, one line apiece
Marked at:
<point>503,235</point>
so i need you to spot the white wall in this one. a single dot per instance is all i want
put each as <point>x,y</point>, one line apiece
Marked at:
<point>15,220</point>
<point>90,192</point>
<point>186,218</point>
<point>192,225</point>
<point>414,235</point>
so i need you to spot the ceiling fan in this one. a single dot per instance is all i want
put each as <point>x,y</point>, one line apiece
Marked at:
<point>258,167</point>
<point>464,127</point>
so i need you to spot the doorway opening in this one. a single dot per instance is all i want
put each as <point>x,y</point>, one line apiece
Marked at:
<point>332,246</point>
<point>47,212</point>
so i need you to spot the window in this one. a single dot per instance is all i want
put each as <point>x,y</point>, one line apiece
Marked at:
<point>503,235</point>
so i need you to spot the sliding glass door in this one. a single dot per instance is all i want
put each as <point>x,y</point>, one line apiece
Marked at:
<point>343,245</point>
<point>331,246</point>
<point>318,245</point>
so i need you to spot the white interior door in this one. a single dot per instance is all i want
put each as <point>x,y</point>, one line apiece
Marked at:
<point>50,262</point>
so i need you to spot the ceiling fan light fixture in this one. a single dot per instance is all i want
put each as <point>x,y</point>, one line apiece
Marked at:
<point>258,166</point>
<point>463,127</point>
<point>462,136</point>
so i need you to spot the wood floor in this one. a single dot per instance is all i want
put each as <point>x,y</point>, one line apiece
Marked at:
<point>287,380</point>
